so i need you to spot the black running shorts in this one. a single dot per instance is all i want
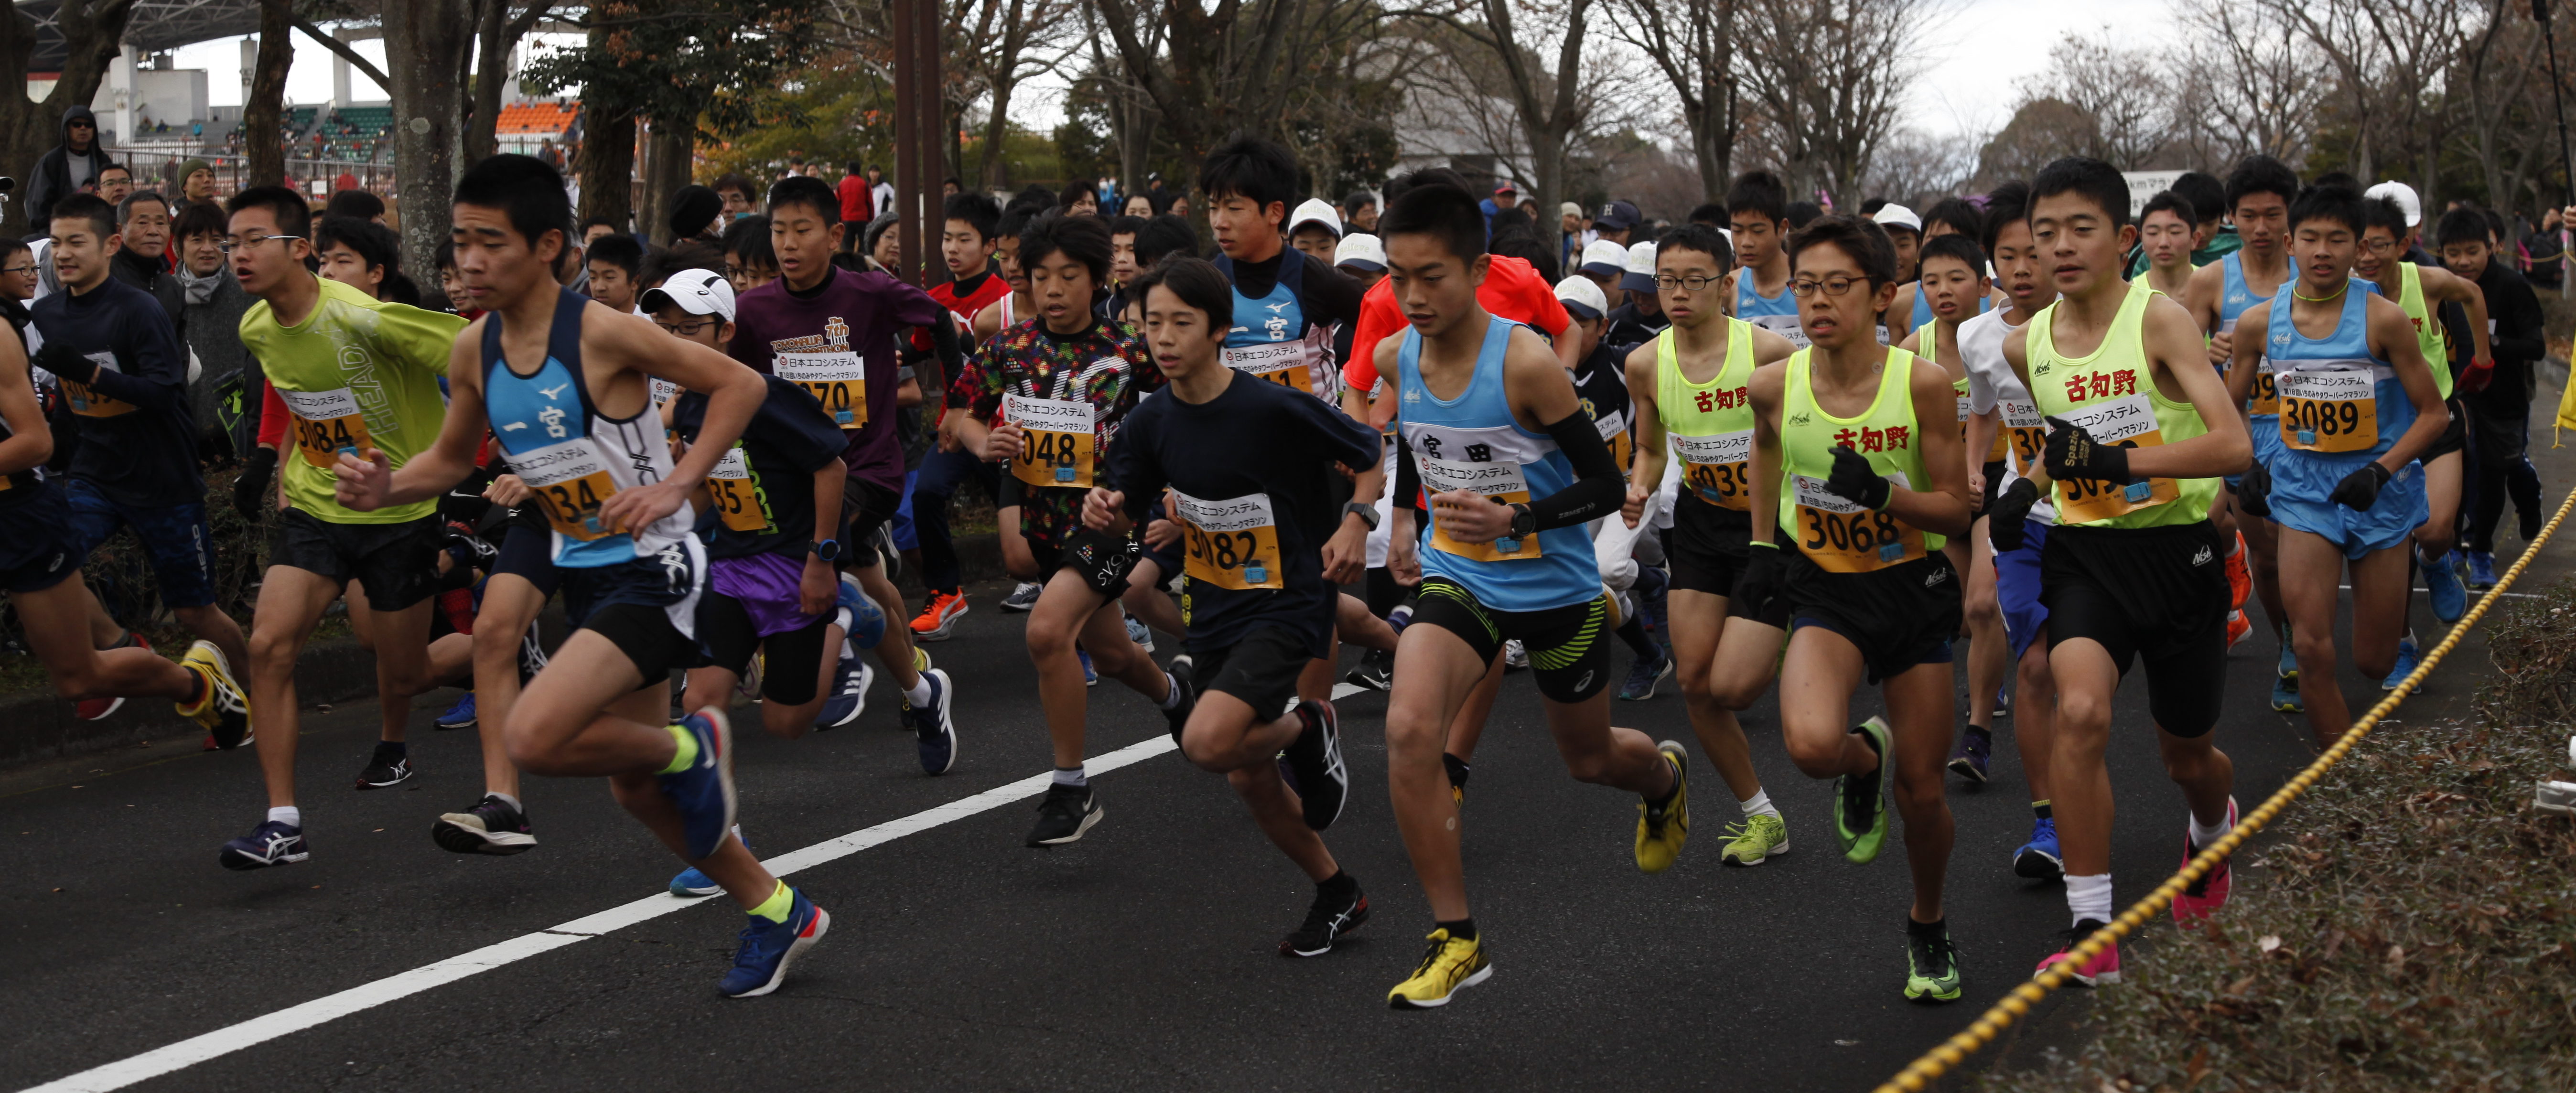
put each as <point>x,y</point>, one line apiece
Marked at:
<point>528,550</point>
<point>398,563</point>
<point>2455,436</point>
<point>1261,669</point>
<point>794,664</point>
<point>1706,553</point>
<point>2157,594</point>
<point>1102,560</point>
<point>1568,649</point>
<point>1899,617</point>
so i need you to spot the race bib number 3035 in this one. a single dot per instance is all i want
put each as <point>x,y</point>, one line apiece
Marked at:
<point>736,494</point>
<point>326,424</point>
<point>1056,445</point>
<point>1842,537</point>
<point>1233,543</point>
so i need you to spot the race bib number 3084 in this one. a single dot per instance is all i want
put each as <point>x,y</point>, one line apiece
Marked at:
<point>326,424</point>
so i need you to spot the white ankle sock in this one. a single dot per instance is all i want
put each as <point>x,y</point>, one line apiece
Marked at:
<point>2202,836</point>
<point>2089,897</point>
<point>289,815</point>
<point>1172,698</point>
<point>1074,777</point>
<point>919,695</point>
<point>1758,804</point>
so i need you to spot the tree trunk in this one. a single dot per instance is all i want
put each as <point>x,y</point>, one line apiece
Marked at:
<point>670,155</point>
<point>606,163</point>
<point>425,48</point>
<point>496,34</point>
<point>91,30</point>
<point>264,113</point>
<point>991,164</point>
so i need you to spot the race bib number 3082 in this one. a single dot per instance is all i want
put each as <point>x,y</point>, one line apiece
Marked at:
<point>1233,543</point>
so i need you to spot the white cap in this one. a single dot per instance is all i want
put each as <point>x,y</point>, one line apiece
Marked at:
<point>1641,269</point>
<point>1362,250</point>
<point>1603,258</point>
<point>1892,215</point>
<point>2404,195</point>
<point>696,291</point>
<point>1582,297</point>
<point>1315,210</point>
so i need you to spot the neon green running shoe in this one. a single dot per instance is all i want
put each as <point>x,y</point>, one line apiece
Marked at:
<point>1931,965</point>
<point>1754,839</point>
<point>1860,801</point>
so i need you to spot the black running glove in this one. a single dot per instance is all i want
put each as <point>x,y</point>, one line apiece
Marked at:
<point>2360,489</point>
<point>62,360</point>
<point>250,491</point>
<point>1763,579</point>
<point>2073,453</point>
<point>2011,510</point>
<point>2254,490</point>
<point>1854,480</point>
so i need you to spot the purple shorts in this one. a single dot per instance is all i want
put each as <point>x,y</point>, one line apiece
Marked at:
<point>765,584</point>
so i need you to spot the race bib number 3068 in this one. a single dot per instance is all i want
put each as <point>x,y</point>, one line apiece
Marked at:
<point>1842,537</point>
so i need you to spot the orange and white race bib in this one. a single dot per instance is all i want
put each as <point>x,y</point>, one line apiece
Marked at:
<point>1718,469</point>
<point>2128,421</point>
<point>327,423</point>
<point>1840,536</point>
<point>1056,441</point>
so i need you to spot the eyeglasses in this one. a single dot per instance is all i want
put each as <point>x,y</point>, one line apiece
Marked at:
<point>1694,282</point>
<point>1833,286</point>
<point>688,329</point>
<point>229,245</point>
<point>18,269</point>
<point>2379,246</point>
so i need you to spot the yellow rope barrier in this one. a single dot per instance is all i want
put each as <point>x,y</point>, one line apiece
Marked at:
<point>1920,1074</point>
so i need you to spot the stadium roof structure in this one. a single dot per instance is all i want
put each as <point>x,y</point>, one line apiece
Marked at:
<point>156,25</point>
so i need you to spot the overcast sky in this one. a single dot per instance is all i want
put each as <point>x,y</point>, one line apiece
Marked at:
<point>1976,50</point>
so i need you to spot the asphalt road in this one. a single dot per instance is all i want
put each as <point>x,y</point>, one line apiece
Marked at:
<point>1140,958</point>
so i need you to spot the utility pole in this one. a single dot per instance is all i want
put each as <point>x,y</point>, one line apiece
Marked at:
<point>918,135</point>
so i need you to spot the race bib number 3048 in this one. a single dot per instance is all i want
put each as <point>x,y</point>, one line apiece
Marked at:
<point>1056,445</point>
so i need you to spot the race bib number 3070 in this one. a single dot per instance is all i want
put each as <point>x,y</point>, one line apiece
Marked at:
<point>837,380</point>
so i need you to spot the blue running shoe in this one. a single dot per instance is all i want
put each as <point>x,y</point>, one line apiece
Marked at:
<point>271,843</point>
<point>769,947</point>
<point>2038,859</point>
<point>2442,583</point>
<point>2481,570</point>
<point>2407,658</point>
<point>692,883</point>
<point>1090,678</point>
<point>932,726</point>
<point>458,716</point>
<point>860,618</point>
<point>2285,696</point>
<point>704,792</point>
<point>2288,669</point>
<point>849,697</point>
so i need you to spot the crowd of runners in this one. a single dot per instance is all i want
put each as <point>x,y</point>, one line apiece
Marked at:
<point>1768,447</point>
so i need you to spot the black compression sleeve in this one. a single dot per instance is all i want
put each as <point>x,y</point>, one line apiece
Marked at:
<point>1597,490</point>
<point>1408,479</point>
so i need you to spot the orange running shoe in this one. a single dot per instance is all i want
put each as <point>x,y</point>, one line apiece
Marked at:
<point>2237,627</point>
<point>938,618</point>
<point>2240,582</point>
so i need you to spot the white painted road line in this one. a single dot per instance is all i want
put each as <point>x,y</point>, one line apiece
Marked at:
<point>332,1007</point>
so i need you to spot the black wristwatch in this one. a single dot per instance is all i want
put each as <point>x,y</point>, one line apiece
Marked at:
<point>1524,522</point>
<point>1366,513</point>
<point>829,550</point>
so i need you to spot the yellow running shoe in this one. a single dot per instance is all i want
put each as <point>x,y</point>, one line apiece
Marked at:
<point>222,709</point>
<point>920,659</point>
<point>1448,964</point>
<point>1661,829</point>
<point>1755,840</point>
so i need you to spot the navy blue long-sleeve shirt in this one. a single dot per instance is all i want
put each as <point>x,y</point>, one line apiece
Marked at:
<point>138,437</point>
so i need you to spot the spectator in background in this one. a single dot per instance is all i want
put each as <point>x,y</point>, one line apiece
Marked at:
<point>2497,393</point>
<point>880,191</point>
<point>142,256</point>
<point>740,199</point>
<point>885,245</point>
<point>616,262</point>
<point>1505,197</point>
<point>948,187</point>
<point>1138,206</point>
<point>353,202</point>
<point>1617,221</point>
<point>211,327</point>
<point>749,263</point>
<point>1359,211</point>
<point>196,181</point>
<point>73,165</point>
<point>115,183</point>
<point>596,228</point>
<point>694,214</point>
<point>1573,232</point>
<point>1079,198</point>
<point>2544,256</point>
<point>858,202</point>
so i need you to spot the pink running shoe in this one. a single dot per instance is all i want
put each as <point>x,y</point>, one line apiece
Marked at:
<point>2101,969</point>
<point>2208,894</point>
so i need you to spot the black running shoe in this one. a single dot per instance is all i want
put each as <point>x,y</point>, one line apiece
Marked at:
<point>390,766</point>
<point>1375,671</point>
<point>490,827</point>
<point>1064,815</point>
<point>1457,769</point>
<point>532,655</point>
<point>1179,715</point>
<point>1323,783</point>
<point>1327,920</point>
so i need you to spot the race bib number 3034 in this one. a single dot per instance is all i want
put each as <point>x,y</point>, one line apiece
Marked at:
<point>1233,543</point>
<point>571,480</point>
<point>1056,445</point>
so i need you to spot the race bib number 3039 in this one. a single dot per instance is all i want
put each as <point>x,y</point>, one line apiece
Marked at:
<point>1056,442</point>
<point>1233,543</point>
<point>1718,468</point>
<point>326,424</point>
